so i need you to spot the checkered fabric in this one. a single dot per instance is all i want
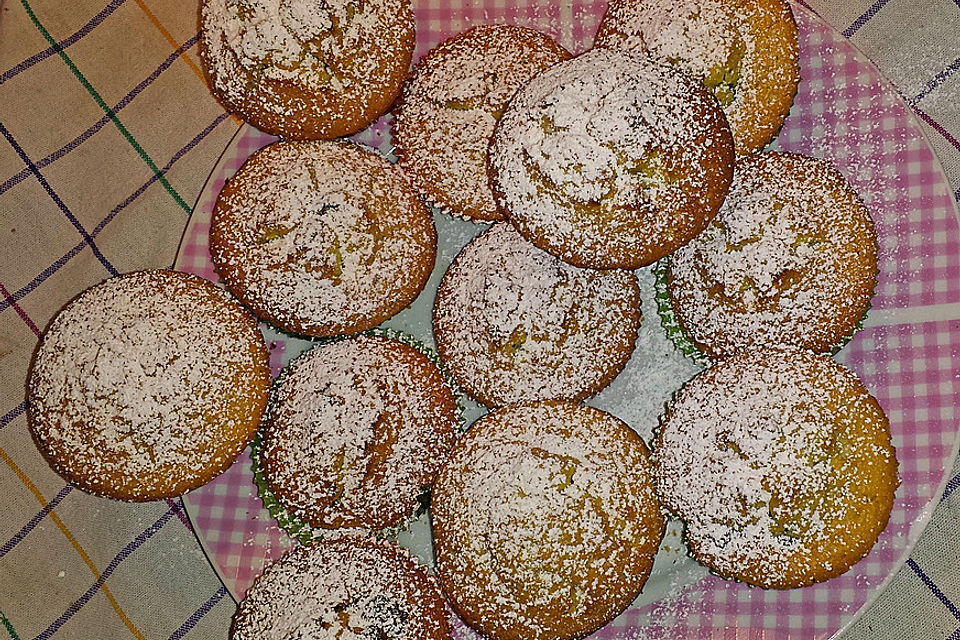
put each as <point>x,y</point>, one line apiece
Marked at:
<point>109,136</point>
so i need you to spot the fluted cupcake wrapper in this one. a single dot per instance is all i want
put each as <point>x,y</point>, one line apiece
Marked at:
<point>303,531</point>
<point>668,320</point>
<point>679,337</point>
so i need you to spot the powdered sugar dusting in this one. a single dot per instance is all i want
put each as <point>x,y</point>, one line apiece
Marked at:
<point>846,122</point>
<point>307,69</point>
<point>148,383</point>
<point>598,159</point>
<point>781,466</point>
<point>357,428</point>
<point>344,589</point>
<point>289,40</point>
<point>322,238</point>
<point>545,521</point>
<point>450,105</point>
<point>790,259</point>
<point>514,323</point>
<point>274,31</point>
<point>746,53</point>
<point>705,37</point>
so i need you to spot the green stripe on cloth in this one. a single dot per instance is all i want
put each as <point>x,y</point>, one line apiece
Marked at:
<point>106,108</point>
<point>8,627</point>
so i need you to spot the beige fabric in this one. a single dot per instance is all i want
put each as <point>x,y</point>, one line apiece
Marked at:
<point>94,568</point>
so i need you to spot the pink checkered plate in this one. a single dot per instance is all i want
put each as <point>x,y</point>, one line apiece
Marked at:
<point>906,353</point>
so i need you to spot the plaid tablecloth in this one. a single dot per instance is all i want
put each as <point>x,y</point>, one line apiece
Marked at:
<point>109,133</point>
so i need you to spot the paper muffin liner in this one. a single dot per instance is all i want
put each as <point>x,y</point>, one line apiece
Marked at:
<point>682,342</point>
<point>442,207</point>
<point>286,519</point>
<point>668,320</point>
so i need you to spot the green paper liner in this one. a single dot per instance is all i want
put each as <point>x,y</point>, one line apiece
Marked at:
<point>295,528</point>
<point>682,342</point>
<point>303,531</point>
<point>668,320</point>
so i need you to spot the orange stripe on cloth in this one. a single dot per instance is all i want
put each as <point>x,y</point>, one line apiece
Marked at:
<point>73,541</point>
<point>176,45</point>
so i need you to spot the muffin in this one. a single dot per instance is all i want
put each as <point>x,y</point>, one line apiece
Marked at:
<point>790,260</point>
<point>306,70</point>
<point>356,430</point>
<point>513,323</point>
<point>450,104</point>
<point>745,51</point>
<point>780,464</point>
<point>322,238</point>
<point>147,385</point>
<point>611,160</point>
<point>350,587</point>
<point>545,521</point>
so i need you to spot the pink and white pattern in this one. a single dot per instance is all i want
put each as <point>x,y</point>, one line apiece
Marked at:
<point>907,354</point>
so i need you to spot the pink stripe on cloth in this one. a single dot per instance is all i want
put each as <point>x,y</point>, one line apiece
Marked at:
<point>572,24</point>
<point>238,532</point>
<point>847,113</point>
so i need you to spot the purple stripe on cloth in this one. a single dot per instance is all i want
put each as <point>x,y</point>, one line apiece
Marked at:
<point>951,486</point>
<point>177,506</point>
<point>132,546</point>
<point>195,617</point>
<point>937,127</point>
<point>63,44</point>
<point>35,520</point>
<point>936,81</point>
<point>20,312</point>
<point>46,273</point>
<point>862,20</point>
<point>53,194</point>
<point>127,99</point>
<point>925,579</point>
<point>53,268</point>
<point>9,416</point>
<point>956,634</point>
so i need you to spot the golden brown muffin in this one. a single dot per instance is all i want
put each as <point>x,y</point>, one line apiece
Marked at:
<point>791,259</point>
<point>450,104</point>
<point>545,521</point>
<point>306,70</point>
<point>513,323</point>
<point>611,160</point>
<point>148,385</point>
<point>322,238</point>
<point>355,431</point>
<point>781,466</point>
<point>349,587</point>
<point>745,51</point>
